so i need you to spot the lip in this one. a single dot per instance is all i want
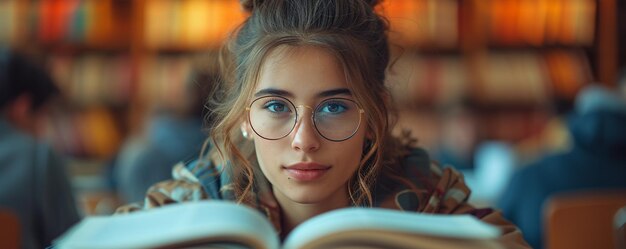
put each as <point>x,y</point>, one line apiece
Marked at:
<point>306,171</point>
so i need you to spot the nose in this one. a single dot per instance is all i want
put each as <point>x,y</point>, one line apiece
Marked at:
<point>305,136</point>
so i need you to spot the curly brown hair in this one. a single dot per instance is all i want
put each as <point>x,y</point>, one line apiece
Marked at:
<point>348,29</point>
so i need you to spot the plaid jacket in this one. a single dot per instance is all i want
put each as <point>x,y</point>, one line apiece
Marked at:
<point>433,190</point>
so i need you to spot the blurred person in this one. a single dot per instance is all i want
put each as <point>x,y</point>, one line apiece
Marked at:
<point>621,84</point>
<point>174,132</point>
<point>596,160</point>
<point>459,137</point>
<point>33,180</point>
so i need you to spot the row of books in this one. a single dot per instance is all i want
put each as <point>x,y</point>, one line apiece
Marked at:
<point>437,80</point>
<point>436,23</point>
<point>509,78</point>
<point>97,23</point>
<point>513,126</point>
<point>569,71</point>
<point>83,22</point>
<point>9,22</point>
<point>541,22</point>
<point>165,81</point>
<point>100,90</point>
<point>432,126</point>
<point>423,23</point>
<point>95,132</point>
<point>96,79</point>
<point>192,24</point>
<point>513,78</point>
<point>199,24</point>
<point>166,24</point>
<point>92,79</point>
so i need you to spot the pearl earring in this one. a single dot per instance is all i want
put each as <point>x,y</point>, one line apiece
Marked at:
<point>244,133</point>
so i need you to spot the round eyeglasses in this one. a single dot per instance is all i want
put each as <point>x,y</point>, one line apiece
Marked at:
<point>275,117</point>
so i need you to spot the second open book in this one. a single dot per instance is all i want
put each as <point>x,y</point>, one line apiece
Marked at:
<point>220,224</point>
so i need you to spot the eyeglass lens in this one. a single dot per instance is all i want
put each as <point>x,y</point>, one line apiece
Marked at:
<point>273,117</point>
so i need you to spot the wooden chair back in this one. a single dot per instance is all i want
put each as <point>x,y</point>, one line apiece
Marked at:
<point>582,219</point>
<point>620,228</point>
<point>9,229</point>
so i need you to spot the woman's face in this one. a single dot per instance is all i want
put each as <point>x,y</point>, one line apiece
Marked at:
<point>303,166</point>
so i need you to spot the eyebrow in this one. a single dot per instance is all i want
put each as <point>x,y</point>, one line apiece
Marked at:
<point>283,93</point>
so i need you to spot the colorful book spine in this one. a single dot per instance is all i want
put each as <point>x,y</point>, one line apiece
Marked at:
<point>542,22</point>
<point>191,25</point>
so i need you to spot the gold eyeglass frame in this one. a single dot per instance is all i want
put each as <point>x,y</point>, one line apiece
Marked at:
<point>361,112</point>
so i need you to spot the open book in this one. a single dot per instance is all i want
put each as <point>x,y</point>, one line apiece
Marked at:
<point>220,224</point>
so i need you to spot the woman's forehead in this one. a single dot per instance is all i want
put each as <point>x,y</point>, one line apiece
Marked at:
<point>303,71</point>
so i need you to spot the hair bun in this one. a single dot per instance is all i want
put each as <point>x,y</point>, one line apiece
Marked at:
<point>373,3</point>
<point>250,5</point>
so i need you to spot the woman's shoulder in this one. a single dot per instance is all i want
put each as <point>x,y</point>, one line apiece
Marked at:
<point>417,162</point>
<point>425,186</point>
<point>433,189</point>
<point>417,159</point>
<point>191,181</point>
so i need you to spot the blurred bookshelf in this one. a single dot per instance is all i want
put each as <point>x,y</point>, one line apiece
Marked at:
<point>111,55</point>
<point>114,60</point>
<point>191,25</point>
<point>518,62</point>
<point>468,73</point>
<point>511,59</point>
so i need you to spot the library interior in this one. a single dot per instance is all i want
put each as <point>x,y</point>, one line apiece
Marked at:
<point>492,88</point>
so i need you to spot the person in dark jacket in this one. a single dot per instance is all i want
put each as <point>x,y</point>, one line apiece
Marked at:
<point>34,184</point>
<point>596,160</point>
<point>174,132</point>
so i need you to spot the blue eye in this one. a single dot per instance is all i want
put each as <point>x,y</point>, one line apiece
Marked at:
<point>276,106</point>
<point>334,107</point>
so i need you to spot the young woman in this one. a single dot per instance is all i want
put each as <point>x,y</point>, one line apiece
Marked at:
<point>304,124</point>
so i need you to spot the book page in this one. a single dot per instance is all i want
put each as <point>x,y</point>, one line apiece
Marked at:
<point>463,227</point>
<point>368,238</point>
<point>174,224</point>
